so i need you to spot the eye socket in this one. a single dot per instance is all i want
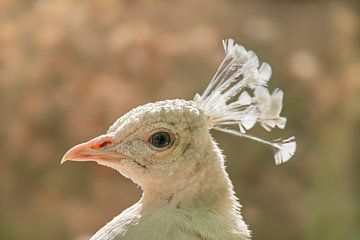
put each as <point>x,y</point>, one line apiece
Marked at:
<point>161,140</point>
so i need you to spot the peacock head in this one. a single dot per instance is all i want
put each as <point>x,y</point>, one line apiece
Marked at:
<point>160,140</point>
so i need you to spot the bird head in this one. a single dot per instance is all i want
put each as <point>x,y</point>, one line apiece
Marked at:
<point>160,141</point>
<point>152,143</point>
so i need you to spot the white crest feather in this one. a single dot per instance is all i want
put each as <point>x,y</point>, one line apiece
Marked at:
<point>286,149</point>
<point>238,96</point>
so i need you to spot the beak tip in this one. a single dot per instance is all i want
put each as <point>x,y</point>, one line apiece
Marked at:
<point>63,160</point>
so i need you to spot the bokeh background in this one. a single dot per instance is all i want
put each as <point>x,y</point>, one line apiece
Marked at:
<point>68,69</point>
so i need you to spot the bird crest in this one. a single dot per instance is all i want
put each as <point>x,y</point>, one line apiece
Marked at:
<point>237,98</point>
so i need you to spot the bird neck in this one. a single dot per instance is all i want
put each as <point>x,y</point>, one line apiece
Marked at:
<point>207,186</point>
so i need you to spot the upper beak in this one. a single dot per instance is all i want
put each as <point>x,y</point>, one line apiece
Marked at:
<point>93,150</point>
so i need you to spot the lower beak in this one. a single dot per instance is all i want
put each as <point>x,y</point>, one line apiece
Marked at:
<point>96,149</point>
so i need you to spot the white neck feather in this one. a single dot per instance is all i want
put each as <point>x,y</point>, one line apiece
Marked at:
<point>209,186</point>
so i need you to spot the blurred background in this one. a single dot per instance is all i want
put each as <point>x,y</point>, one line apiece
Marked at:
<point>68,69</point>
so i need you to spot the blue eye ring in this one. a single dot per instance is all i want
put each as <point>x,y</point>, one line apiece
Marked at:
<point>161,139</point>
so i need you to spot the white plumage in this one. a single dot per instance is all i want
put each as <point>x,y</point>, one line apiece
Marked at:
<point>167,149</point>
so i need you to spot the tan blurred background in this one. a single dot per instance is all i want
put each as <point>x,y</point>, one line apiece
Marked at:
<point>68,69</point>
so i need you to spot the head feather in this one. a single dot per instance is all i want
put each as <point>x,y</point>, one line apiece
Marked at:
<point>238,96</point>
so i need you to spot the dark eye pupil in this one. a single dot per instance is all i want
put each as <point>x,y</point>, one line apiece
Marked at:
<point>160,139</point>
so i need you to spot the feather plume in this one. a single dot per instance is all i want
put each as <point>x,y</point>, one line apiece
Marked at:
<point>238,96</point>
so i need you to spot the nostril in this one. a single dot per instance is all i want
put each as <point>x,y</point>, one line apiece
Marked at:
<point>102,144</point>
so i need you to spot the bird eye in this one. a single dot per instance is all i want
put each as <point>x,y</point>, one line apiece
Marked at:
<point>161,140</point>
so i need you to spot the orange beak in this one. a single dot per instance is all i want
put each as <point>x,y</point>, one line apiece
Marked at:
<point>93,150</point>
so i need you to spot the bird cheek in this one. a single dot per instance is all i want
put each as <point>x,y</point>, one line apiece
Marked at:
<point>133,149</point>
